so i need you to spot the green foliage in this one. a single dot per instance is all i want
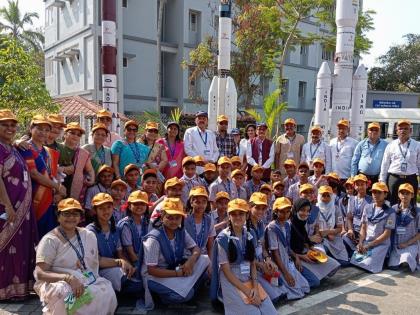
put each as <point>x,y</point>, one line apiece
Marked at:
<point>21,88</point>
<point>400,68</point>
<point>176,115</point>
<point>272,111</point>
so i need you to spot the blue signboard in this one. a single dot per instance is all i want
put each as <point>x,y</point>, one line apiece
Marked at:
<point>386,104</point>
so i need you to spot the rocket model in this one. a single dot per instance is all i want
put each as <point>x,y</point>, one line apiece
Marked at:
<point>222,93</point>
<point>109,60</point>
<point>348,92</point>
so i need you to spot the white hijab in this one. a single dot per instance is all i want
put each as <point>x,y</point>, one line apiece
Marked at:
<point>327,211</point>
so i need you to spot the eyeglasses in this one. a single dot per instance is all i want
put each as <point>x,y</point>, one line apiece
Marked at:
<point>152,130</point>
<point>68,214</point>
<point>132,129</point>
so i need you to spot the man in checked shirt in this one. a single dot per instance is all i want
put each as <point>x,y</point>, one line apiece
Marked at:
<point>224,140</point>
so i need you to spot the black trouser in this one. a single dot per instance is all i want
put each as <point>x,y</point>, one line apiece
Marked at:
<point>394,181</point>
<point>372,180</point>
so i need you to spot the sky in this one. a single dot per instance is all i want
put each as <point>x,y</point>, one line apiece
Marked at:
<point>393,19</point>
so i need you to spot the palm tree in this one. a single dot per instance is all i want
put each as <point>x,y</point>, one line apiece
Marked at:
<point>15,25</point>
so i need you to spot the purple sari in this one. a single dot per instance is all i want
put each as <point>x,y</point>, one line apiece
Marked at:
<point>17,241</point>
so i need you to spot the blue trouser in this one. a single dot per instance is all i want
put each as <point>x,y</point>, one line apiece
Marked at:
<point>132,287</point>
<point>310,277</point>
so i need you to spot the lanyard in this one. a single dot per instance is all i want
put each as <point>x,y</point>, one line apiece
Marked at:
<point>135,151</point>
<point>172,151</point>
<point>373,149</point>
<point>227,187</point>
<point>101,154</point>
<point>316,149</point>
<point>199,238</point>
<point>406,151</point>
<point>291,141</point>
<point>204,141</point>
<point>337,148</point>
<point>80,255</point>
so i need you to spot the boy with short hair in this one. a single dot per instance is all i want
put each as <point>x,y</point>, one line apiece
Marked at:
<point>303,173</point>
<point>278,189</point>
<point>131,177</point>
<point>238,178</point>
<point>236,163</point>
<point>291,178</point>
<point>190,178</point>
<point>255,183</point>
<point>149,185</point>
<point>209,175</point>
<point>318,179</point>
<point>118,193</point>
<point>223,182</point>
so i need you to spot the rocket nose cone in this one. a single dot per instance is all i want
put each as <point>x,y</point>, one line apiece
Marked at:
<point>361,73</point>
<point>324,70</point>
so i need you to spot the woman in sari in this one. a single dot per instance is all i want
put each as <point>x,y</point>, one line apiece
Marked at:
<point>99,154</point>
<point>76,163</point>
<point>174,148</point>
<point>18,235</point>
<point>67,263</point>
<point>43,164</point>
<point>128,151</point>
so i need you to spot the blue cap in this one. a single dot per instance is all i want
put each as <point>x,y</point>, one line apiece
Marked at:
<point>201,113</point>
<point>235,131</point>
<point>262,124</point>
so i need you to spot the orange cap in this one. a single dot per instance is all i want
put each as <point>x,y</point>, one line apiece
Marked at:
<point>221,195</point>
<point>41,120</point>
<point>237,172</point>
<point>373,125</point>
<point>131,123</point>
<point>259,198</point>
<point>238,204</point>
<point>73,126</point>
<point>101,198</point>
<point>173,206</point>
<point>105,168</point>
<point>198,191</point>
<point>360,177</point>
<point>173,182</point>
<point>131,167</point>
<point>306,187</point>
<point>188,160</point>
<point>69,204</point>
<point>289,162</point>
<point>99,126</point>
<point>325,189</point>
<point>235,159</point>
<point>7,114</point>
<point>343,122</point>
<point>379,186</point>
<point>224,160</point>
<point>138,196</point>
<point>210,167</point>
<point>282,203</point>
<point>152,125</point>
<point>290,121</point>
<point>406,187</point>
<point>256,168</point>
<point>56,119</point>
<point>221,118</point>
<point>103,113</point>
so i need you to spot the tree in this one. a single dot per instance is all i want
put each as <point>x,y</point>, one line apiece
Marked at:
<point>21,89</point>
<point>400,68</point>
<point>16,26</point>
<point>159,55</point>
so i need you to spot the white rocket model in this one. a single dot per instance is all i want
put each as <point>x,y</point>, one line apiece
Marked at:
<point>323,95</point>
<point>222,93</point>
<point>358,103</point>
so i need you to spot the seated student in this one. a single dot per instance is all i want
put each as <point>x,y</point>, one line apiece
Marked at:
<point>268,191</point>
<point>378,221</point>
<point>278,189</point>
<point>199,223</point>
<point>303,174</point>
<point>331,225</point>
<point>171,276</point>
<point>318,179</point>
<point>134,227</point>
<point>238,178</point>
<point>104,179</point>
<point>219,215</point>
<point>118,193</point>
<point>223,182</point>
<point>132,178</point>
<point>209,175</point>
<point>275,177</point>
<point>234,275</point>
<point>343,201</point>
<point>301,245</point>
<point>149,183</point>
<point>278,236</point>
<point>354,212</point>
<point>306,191</point>
<point>405,245</point>
<point>291,176</point>
<point>268,273</point>
<point>236,163</point>
<point>334,182</point>
<point>190,177</point>
<point>255,183</point>
<point>200,164</point>
<point>113,265</point>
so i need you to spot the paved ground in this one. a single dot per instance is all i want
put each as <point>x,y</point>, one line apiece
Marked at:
<point>350,291</point>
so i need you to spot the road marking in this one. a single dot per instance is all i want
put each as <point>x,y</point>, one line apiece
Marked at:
<point>323,296</point>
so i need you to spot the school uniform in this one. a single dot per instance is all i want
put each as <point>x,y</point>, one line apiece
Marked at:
<point>269,213</point>
<point>251,187</point>
<point>219,185</point>
<point>119,213</point>
<point>242,193</point>
<point>190,182</point>
<point>407,226</point>
<point>92,192</point>
<point>222,288</point>
<point>312,180</point>
<point>377,220</point>
<point>200,232</point>
<point>293,192</point>
<point>289,181</point>
<point>279,239</point>
<point>168,254</point>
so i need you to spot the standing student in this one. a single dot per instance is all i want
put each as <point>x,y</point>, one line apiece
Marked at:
<point>318,179</point>
<point>223,182</point>
<point>234,273</point>
<point>173,189</point>
<point>118,193</point>
<point>236,163</point>
<point>190,177</point>
<point>104,178</point>
<point>255,183</point>
<point>303,173</point>
<point>278,240</point>
<point>331,225</point>
<point>291,177</point>
<point>132,177</point>
<point>238,178</point>
<point>149,182</point>
<point>343,201</point>
<point>268,191</point>
<point>219,215</point>
<point>199,223</point>
<point>209,175</point>
<point>378,221</point>
<point>171,276</point>
<point>405,245</point>
<point>278,189</point>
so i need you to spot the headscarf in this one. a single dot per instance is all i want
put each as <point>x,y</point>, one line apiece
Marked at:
<point>327,211</point>
<point>299,235</point>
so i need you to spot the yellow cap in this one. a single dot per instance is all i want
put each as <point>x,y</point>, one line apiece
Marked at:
<point>289,162</point>
<point>259,198</point>
<point>282,203</point>
<point>306,187</point>
<point>333,176</point>
<point>40,120</point>
<point>99,126</point>
<point>119,182</point>
<point>266,186</point>
<point>404,122</point>
<point>280,182</point>
<point>221,195</point>
<point>73,126</point>
<point>209,167</point>
<point>6,114</point>
<point>238,204</point>
<point>406,187</point>
<point>131,123</point>
<point>56,119</point>
<point>325,189</point>
<point>221,118</point>
<point>150,171</point>
<point>138,196</point>
<point>360,177</point>
<point>349,181</point>
<point>373,125</point>
<point>316,127</point>
<point>343,122</point>
<point>224,160</point>
<point>318,160</point>
<point>257,168</point>
<point>199,160</point>
<point>198,191</point>
<point>152,125</point>
<point>131,167</point>
<point>235,159</point>
<point>173,206</point>
<point>101,198</point>
<point>187,160</point>
<point>171,182</point>
<point>379,186</point>
<point>105,168</point>
<point>237,172</point>
<point>69,204</point>
<point>290,121</point>
<point>103,113</point>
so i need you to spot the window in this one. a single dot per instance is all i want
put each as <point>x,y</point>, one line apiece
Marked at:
<point>49,68</point>
<point>327,54</point>
<point>193,21</point>
<point>304,55</point>
<point>125,62</point>
<point>49,16</point>
<point>124,3</point>
<point>285,90</point>
<point>302,93</point>
<point>304,49</point>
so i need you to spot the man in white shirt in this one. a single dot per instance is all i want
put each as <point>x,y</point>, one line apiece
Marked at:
<point>342,149</point>
<point>201,141</point>
<point>401,162</point>
<point>316,149</point>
